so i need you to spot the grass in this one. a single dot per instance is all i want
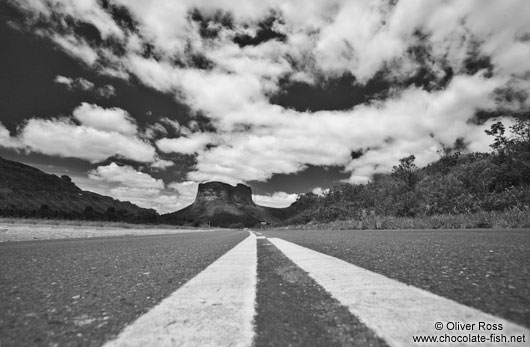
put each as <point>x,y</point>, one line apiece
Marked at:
<point>84,223</point>
<point>515,218</point>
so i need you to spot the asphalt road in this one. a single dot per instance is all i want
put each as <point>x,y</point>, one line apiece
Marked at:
<point>293,310</point>
<point>83,292</point>
<point>486,269</point>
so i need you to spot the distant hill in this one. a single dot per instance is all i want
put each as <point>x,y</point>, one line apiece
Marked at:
<point>224,205</point>
<point>28,192</point>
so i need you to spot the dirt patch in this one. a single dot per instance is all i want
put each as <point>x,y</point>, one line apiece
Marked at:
<point>28,232</point>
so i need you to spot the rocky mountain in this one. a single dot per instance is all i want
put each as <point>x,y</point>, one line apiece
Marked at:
<point>28,192</point>
<point>224,205</point>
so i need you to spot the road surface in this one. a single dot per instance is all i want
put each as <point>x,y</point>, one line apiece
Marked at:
<point>268,288</point>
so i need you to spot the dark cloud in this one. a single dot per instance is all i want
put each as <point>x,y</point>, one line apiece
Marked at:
<point>211,24</point>
<point>84,30</point>
<point>356,154</point>
<point>476,61</point>
<point>121,161</point>
<point>106,91</point>
<point>431,73</point>
<point>512,101</point>
<point>121,15</point>
<point>265,31</point>
<point>202,123</point>
<point>192,59</point>
<point>149,51</point>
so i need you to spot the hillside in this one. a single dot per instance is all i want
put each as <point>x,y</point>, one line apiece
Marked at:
<point>28,192</point>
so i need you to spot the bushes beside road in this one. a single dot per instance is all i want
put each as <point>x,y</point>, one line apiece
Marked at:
<point>495,219</point>
<point>460,190</point>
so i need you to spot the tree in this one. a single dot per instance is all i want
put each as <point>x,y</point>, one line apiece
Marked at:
<point>406,171</point>
<point>88,213</point>
<point>110,214</point>
<point>66,178</point>
<point>512,153</point>
<point>44,211</point>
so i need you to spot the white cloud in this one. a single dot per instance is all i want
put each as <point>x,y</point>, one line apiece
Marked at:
<point>6,140</point>
<point>105,119</point>
<point>155,130</point>
<point>126,184</point>
<point>83,84</point>
<point>185,192</point>
<point>106,91</point>
<point>319,191</point>
<point>61,137</point>
<point>255,139</point>
<point>277,200</point>
<point>125,175</point>
<point>416,122</point>
<point>67,81</point>
<point>74,83</point>
<point>172,123</point>
<point>77,48</point>
<point>80,10</point>
<point>161,164</point>
<point>186,145</point>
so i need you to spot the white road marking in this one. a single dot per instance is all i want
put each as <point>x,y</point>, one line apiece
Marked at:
<point>215,308</point>
<point>393,310</point>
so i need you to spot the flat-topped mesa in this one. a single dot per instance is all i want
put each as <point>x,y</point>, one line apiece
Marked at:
<point>220,204</point>
<point>219,191</point>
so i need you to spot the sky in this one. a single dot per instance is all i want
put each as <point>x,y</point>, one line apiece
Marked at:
<point>142,100</point>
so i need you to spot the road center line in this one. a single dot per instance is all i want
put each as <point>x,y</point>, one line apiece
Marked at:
<point>394,311</point>
<point>215,308</point>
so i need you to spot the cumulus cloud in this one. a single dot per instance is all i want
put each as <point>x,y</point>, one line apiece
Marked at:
<point>83,84</point>
<point>467,51</point>
<point>415,122</point>
<point>74,83</point>
<point>127,184</point>
<point>62,137</point>
<point>125,175</point>
<point>77,48</point>
<point>105,119</point>
<point>67,81</point>
<point>102,133</point>
<point>277,200</point>
<point>161,164</point>
<point>319,191</point>
<point>186,145</point>
<point>106,91</point>
<point>6,140</point>
<point>170,122</point>
<point>185,192</point>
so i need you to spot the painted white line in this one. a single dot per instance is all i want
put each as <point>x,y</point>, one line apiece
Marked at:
<point>394,311</point>
<point>260,237</point>
<point>215,308</point>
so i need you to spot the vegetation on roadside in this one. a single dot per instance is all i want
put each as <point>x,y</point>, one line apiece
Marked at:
<point>458,191</point>
<point>493,219</point>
